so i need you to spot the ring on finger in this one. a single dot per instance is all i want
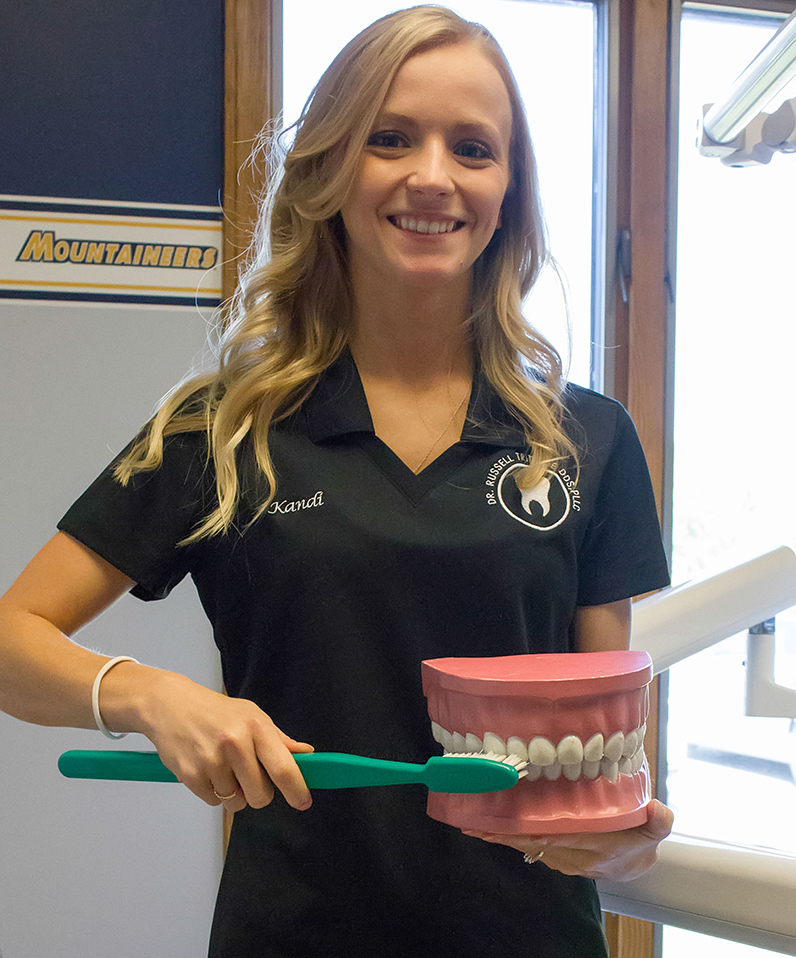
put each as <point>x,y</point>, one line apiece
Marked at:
<point>531,859</point>
<point>225,798</point>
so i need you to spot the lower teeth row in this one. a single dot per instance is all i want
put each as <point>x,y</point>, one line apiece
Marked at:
<point>605,767</point>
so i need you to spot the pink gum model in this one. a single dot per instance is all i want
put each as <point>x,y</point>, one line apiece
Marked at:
<point>577,718</point>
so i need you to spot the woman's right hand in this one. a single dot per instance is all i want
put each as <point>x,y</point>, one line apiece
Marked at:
<point>215,745</point>
<point>211,742</point>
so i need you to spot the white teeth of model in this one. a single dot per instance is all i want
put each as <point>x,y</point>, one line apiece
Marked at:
<point>570,750</point>
<point>494,743</point>
<point>631,744</point>
<point>541,751</point>
<point>474,744</point>
<point>591,769</point>
<point>422,226</point>
<point>434,228</point>
<point>614,746</point>
<point>593,749</point>
<point>609,769</point>
<point>622,754</point>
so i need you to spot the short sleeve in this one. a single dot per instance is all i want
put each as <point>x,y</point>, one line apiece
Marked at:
<point>138,528</point>
<point>622,553</point>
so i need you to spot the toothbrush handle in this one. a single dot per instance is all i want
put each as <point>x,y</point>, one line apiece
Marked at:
<point>122,766</point>
<point>320,769</point>
<point>341,770</point>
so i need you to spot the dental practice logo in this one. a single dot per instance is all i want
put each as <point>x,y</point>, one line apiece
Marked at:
<point>545,506</point>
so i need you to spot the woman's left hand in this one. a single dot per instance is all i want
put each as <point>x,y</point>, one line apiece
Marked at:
<point>616,856</point>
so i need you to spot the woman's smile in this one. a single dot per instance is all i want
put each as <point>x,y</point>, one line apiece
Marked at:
<point>427,196</point>
<point>417,223</point>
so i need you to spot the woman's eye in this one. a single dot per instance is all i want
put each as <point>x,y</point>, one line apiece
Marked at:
<point>386,139</point>
<point>474,150</point>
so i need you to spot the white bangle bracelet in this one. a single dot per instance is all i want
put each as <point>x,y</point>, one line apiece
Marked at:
<point>95,694</point>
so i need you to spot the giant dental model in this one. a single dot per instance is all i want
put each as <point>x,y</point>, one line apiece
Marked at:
<point>577,718</point>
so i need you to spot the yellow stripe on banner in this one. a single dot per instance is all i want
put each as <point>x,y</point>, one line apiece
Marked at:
<point>43,285</point>
<point>133,221</point>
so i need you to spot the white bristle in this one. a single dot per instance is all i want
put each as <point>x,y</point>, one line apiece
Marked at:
<point>513,760</point>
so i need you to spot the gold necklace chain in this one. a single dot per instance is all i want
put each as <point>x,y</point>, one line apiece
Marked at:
<point>434,444</point>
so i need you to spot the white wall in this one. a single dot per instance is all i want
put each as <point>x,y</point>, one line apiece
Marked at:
<point>95,869</point>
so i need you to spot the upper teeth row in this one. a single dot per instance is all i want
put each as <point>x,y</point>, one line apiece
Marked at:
<point>541,751</point>
<point>424,226</point>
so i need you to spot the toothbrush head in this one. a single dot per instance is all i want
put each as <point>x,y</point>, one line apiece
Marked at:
<point>473,773</point>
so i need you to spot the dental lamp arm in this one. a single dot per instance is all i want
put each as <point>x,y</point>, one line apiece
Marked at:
<point>766,134</point>
<point>732,129</point>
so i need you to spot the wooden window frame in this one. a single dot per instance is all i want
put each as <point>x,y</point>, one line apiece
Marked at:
<point>252,98</point>
<point>640,333</point>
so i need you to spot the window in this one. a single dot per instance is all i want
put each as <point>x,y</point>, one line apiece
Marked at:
<point>731,777</point>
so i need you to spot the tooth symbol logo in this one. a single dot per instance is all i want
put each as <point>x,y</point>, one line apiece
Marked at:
<point>543,507</point>
<point>541,494</point>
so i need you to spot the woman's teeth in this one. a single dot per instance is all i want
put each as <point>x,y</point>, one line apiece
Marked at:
<point>621,753</point>
<point>414,225</point>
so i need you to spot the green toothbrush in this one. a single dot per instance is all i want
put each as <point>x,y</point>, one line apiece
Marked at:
<point>443,773</point>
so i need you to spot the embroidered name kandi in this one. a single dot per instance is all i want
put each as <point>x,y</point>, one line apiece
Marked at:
<point>296,505</point>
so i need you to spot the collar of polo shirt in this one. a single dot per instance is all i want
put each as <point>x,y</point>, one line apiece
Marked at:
<point>338,407</point>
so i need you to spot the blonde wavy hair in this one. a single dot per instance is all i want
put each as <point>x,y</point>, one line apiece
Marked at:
<point>290,317</point>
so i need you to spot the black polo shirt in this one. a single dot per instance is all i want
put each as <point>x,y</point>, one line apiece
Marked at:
<point>323,610</point>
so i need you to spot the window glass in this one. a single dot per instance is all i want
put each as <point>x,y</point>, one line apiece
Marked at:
<point>730,776</point>
<point>551,49</point>
<point>678,943</point>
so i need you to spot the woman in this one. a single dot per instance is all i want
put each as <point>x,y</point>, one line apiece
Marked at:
<point>331,490</point>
